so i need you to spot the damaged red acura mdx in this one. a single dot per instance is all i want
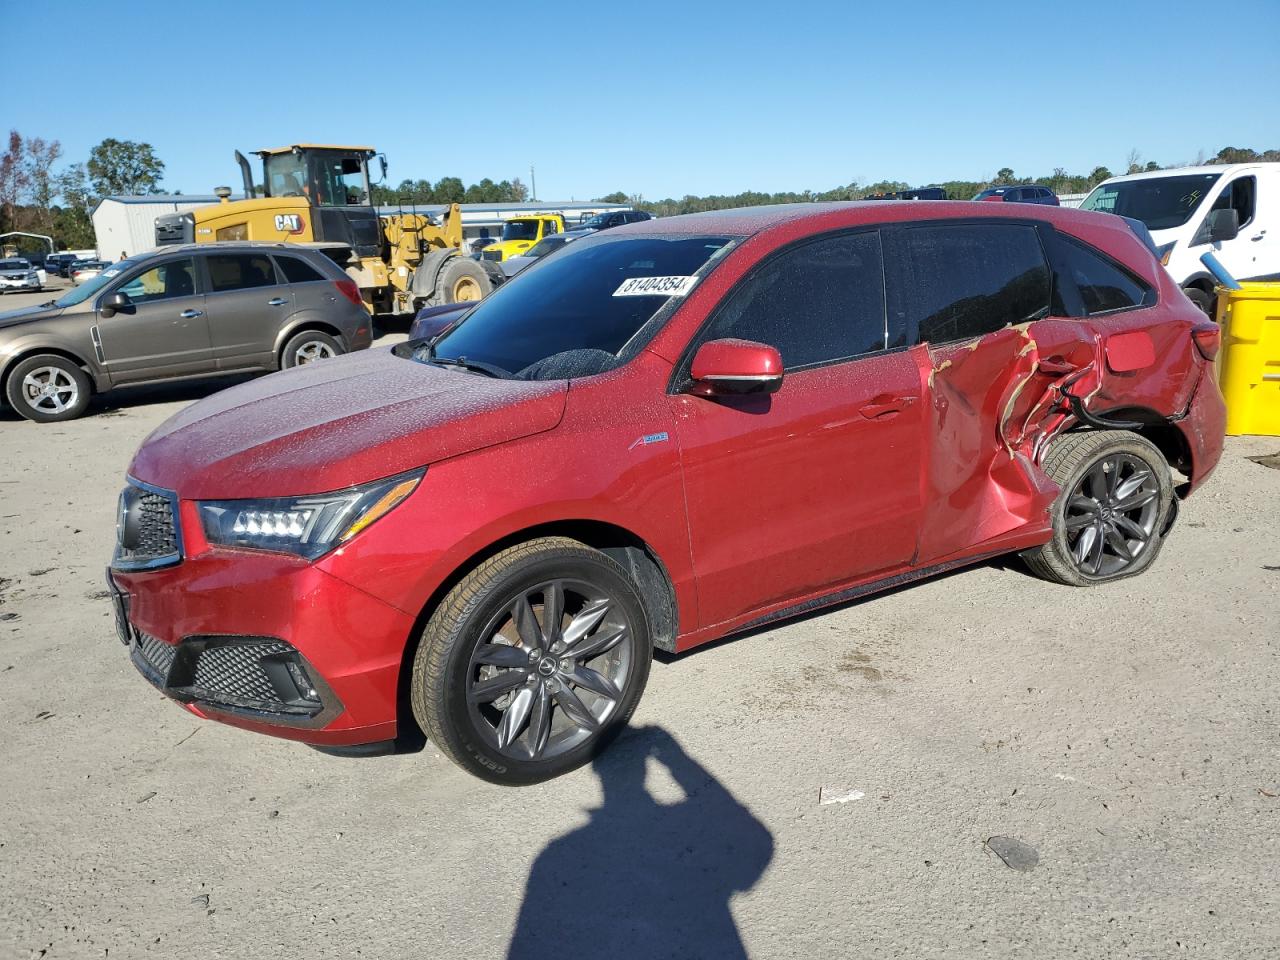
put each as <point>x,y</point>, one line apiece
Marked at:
<point>657,436</point>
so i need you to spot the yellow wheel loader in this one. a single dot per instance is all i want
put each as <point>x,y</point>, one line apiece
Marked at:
<point>319,195</point>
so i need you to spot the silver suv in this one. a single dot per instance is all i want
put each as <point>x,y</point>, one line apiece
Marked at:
<point>180,312</point>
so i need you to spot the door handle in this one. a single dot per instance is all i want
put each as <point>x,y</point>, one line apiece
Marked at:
<point>885,406</point>
<point>191,314</point>
<point>277,302</point>
<point>1259,235</point>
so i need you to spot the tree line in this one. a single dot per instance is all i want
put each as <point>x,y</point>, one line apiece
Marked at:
<point>38,196</point>
<point>1059,181</point>
<point>36,199</point>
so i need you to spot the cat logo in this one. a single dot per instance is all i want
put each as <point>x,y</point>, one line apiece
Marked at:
<point>291,223</point>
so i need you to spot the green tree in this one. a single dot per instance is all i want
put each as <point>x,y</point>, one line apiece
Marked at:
<point>123,167</point>
<point>616,197</point>
<point>1004,175</point>
<point>519,192</point>
<point>449,190</point>
<point>1235,155</point>
<point>1099,174</point>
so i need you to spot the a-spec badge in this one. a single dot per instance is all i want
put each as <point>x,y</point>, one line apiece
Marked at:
<point>291,223</point>
<point>649,438</point>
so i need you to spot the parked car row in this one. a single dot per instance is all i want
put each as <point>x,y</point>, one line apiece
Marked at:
<point>653,437</point>
<point>178,312</point>
<point>18,274</point>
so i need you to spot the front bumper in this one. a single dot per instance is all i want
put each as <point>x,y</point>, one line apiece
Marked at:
<point>7,284</point>
<point>218,631</point>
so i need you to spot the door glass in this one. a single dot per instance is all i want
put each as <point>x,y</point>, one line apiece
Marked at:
<point>339,181</point>
<point>240,271</point>
<point>1103,285</point>
<point>957,281</point>
<point>175,278</point>
<point>296,271</point>
<point>1238,195</point>
<point>816,303</point>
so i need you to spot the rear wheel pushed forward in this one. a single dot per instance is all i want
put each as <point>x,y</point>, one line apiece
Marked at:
<point>533,662</point>
<point>1109,519</point>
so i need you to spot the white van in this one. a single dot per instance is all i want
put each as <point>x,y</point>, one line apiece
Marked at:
<point>1189,211</point>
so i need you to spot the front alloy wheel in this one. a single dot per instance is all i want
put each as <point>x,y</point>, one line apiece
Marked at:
<point>533,662</point>
<point>551,670</point>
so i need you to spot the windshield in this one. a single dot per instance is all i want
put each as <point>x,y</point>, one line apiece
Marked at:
<point>1159,202</point>
<point>520,230</point>
<point>588,301</point>
<point>286,175</point>
<point>596,222</point>
<point>543,247</point>
<point>92,287</point>
<point>14,265</point>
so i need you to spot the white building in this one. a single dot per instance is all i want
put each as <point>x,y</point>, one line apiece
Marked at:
<point>127,225</point>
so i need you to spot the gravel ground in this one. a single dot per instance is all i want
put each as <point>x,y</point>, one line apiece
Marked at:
<point>1123,738</point>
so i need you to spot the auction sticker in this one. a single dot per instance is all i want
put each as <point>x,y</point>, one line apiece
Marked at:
<point>655,287</point>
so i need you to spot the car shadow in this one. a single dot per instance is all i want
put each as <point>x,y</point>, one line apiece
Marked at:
<point>643,878</point>
<point>183,391</point>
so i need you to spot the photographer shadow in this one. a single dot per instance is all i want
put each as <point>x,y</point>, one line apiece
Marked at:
<point>643,878</point>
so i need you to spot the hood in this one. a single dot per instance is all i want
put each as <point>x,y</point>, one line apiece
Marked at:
<point>329,425</point>
<point>11,318</point>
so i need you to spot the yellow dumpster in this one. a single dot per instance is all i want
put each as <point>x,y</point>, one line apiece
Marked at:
<point>1250,377</point>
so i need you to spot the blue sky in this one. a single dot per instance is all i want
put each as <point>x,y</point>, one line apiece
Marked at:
<point>658,98</point>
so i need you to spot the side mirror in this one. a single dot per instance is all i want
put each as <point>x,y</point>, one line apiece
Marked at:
<point>1223,224</point>
<point>735,367</point>
<point>113,302</point>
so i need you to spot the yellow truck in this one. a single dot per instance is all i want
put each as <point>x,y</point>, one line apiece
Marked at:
<point>319,195</point>
<point>519,234</point>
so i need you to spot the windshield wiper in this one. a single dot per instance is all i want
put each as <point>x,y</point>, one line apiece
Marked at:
<point>475,366</point>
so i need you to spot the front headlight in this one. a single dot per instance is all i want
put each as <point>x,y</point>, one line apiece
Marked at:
<point>307,526</point>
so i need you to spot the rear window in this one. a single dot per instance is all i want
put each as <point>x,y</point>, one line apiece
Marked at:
<point>957,281</point>
<point>240,271</point>
<point>1104,286</point>
<point>297,271</point>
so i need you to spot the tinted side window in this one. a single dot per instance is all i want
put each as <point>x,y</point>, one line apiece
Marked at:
<point>297,271</point>
<point>1103,285</point>
<point>164,282</point>
<point>817,302</point>
<point>960,280</point>
<point>240,271</point>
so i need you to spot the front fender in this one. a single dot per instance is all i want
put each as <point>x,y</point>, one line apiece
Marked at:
<point>44,342</point>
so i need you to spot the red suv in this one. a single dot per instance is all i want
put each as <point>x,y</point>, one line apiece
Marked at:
<point>657,436</point>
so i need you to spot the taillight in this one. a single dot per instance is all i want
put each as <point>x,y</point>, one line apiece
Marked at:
<point>349,290</point>
<point>1207,339</point>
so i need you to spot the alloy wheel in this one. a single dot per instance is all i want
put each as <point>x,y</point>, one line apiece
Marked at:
<point>50,390</point>
<point>1110,518</point>
<point>550,669</point>
<point>311,351</point>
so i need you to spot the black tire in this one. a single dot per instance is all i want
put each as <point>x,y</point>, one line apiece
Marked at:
<point>450,666</point>
<point>1205,301</point>
<point>67,403</point>
<point>1078,463</point>
<point>308,347</point>
<point>462,280</point>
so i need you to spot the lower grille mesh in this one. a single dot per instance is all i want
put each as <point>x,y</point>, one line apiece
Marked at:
<point>157,653</point>
<point>235,671</point>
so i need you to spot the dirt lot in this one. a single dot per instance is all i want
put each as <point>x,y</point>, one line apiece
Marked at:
<point>1129,734</point>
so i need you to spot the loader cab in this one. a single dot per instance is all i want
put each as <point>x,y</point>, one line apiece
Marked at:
<point>334,181</point>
